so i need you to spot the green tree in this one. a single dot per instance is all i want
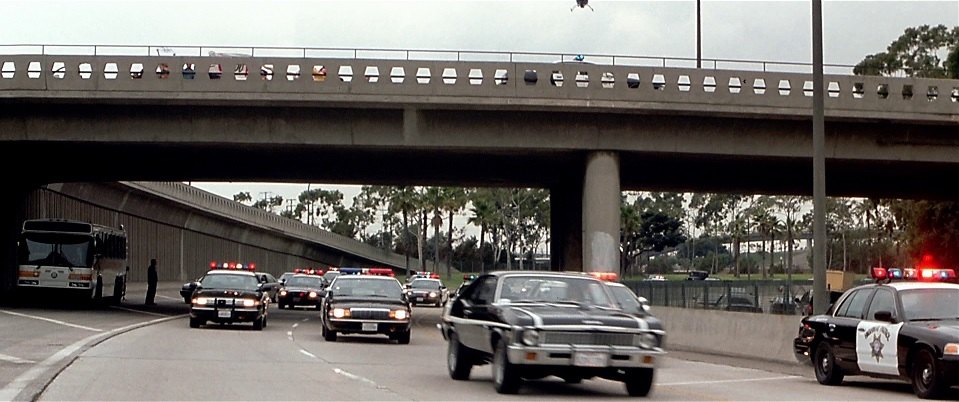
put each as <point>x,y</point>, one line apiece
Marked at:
<point>916,53</point>
<point>242,197</point>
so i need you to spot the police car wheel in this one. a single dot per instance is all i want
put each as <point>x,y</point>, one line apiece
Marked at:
<point>329,336</point>
<point>639,381</point>
<point>258,324</point>
<point>458,359</point>
<point>403,338</point>
<point>926,382</point>
<point>824,363</point>
<point>506,379</point>
<point>195,323</point>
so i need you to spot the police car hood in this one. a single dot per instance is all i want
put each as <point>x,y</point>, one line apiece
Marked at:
<point>222,293</point>
<point>301,289</point>
<point>544,315</point>
<point>947,327</point>
<point>367,302</point>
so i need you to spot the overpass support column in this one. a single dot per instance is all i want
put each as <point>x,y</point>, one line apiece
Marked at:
<point>12,214</point>
<point>601,202</point>
<point>566,224</point>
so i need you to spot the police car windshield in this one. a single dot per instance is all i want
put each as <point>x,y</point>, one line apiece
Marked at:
<point>305,281</point>
<point>554,289</point>
<point>625,298</point>
<point>930,304</point>
<point>348,286</point>
<point>229,281</point>
<point>425,284</point>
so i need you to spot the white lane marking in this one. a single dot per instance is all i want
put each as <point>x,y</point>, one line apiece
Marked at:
<point>139,311</point>
<point>307,353</point>
<point>352,376</point>
<point>169,298</point>
<point>296,325</point>
<point>14,359</point>
<point>290,338</point>
<point>15,387</point>
<point>35,317</point>
<point>305,319</point>
<point>289,333</point>
<point>668,384</point>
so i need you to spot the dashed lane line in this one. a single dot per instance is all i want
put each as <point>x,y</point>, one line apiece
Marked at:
<point>36,317</point>
<point>307,353</point>
<point>14,359</point>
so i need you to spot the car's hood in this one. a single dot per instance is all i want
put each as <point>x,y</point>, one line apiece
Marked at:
<point>948,328</point>
<point>301,289</point>
<point>544,315</point>
<point>226,293</point>
<point>366,302</point>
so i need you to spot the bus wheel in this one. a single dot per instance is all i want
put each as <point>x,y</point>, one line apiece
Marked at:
<point>98,290</point>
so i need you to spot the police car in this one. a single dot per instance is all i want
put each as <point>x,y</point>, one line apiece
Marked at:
<point>907,330</point>
<point>229,293</point>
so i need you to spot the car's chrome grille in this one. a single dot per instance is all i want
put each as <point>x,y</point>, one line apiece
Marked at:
<point>370,314</point>
<point>587,338</point>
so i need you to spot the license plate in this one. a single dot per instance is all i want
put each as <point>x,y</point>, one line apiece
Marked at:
<point>590,359</point>
<point>369,326</point>
<point>419,299</point>
<point>223,313</point>
<point>296,299</point>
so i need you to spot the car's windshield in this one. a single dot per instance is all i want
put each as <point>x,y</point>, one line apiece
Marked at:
<point>930,304</point>
<point>554,289</point>
<point>56,249</point>
<point>625,298</point>
<point>366,287</point>
<point>229,281</point>
<point>428,284</point>
<point>305,281</point>
<point>330,276</point>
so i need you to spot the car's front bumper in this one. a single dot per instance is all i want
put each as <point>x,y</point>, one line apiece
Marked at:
<point>425,299</point>
<point>360,326</point>
<point>298,301</point>
<point>566,355</point>
<point>220,315</point>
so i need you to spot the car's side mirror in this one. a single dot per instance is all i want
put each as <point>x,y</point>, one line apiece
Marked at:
<point>321,293</point>
<point>884,316</point>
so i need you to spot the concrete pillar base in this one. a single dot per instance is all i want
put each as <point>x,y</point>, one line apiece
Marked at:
<point>601,210</point>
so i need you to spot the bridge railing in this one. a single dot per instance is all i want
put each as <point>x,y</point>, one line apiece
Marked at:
<point>219,78</point>
<point>756,296</point>
<point>259,217</point>
<point>420,55</point>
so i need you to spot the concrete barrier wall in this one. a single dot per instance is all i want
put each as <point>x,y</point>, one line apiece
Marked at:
<point>763,336</point>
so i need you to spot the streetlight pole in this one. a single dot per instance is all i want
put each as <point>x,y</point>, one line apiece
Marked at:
<point>699,35</point>
<point>820,299</point>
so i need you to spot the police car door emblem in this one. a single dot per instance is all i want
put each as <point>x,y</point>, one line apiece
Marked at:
<point>876,343</point>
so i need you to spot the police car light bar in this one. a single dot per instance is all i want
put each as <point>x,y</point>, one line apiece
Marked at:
<point>233,265</point>
<point>923,274</point>
<point>605,276</point>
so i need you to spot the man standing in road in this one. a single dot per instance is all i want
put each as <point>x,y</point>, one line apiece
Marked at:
<point>152,280</point>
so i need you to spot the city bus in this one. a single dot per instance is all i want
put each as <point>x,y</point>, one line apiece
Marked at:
<point>82,258</point>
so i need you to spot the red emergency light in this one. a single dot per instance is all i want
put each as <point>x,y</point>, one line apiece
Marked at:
<point>605,276</point>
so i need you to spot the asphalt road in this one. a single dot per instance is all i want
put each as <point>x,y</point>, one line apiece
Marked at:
<point>139,355</point>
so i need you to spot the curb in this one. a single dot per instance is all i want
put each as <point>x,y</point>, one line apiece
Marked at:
<point>37,379</point>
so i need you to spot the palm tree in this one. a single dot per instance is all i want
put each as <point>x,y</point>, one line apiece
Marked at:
<point>484,215</point>
<point>452,200</point>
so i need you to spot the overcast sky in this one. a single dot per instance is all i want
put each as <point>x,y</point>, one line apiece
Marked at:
<point>755,30</point>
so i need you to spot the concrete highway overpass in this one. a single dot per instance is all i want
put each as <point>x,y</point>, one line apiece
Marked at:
<point>379,121</point>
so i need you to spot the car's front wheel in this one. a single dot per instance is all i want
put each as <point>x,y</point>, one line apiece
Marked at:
<point>196,322</point>
<point>258,323</point>
<point>328,335</point>
<point>458,359</point>
<point>639,382</point>
<point>926,381</point>
<point>506,377</point>
<point>403,338</point>
<point>827,373</point>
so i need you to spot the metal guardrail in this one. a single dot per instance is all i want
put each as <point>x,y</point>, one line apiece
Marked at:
<point>258,217</point>
<point>419,54</point>
<point>760,296</point>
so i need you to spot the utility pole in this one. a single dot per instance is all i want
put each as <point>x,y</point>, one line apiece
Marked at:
<point>820,298</point>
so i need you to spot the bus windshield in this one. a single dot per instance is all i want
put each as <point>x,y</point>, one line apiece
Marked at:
<point>56,249</point>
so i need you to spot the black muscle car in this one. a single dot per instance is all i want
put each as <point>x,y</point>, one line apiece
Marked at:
<point>902,330</point>
<point>532,324</point>
<point>301,290</point>
<point>228,296</point>
<point>366,304</point>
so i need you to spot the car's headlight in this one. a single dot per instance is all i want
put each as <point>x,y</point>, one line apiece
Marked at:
<point>951,349</point>
<point>647,340</point>
<point>399,314</point>
<point>249,302</point>
<point>432,294</point>
<point>530,337</point>
<point>283,293</point>
<point>312,295</point>
<point>340,312</point>
<point>200,300</point>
